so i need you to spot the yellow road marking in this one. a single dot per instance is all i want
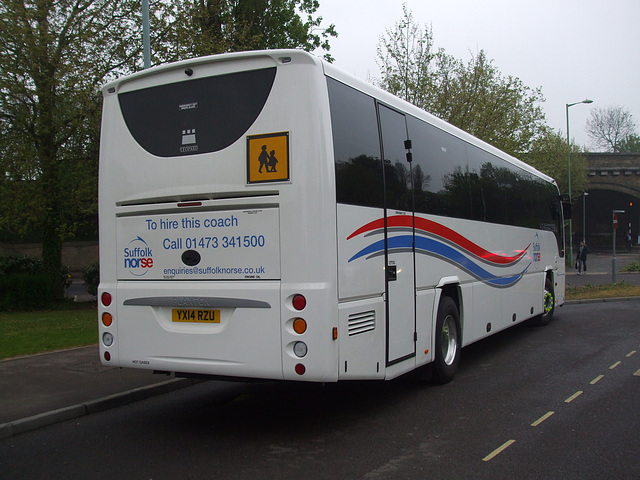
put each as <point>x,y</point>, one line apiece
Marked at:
<point>637,374</point>
<point>631,353</point>
<point>597,379</point>
<point>498,450</point>
<point>614,365</point>
<point>542,419</point>
<point>573,397</point>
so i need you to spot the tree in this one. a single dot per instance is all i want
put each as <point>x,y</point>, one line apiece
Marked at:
<point>631,144</point>
<point>610,126</point>
<point>549,154</point>
<point>205,27</point>
<point>498,109</point>
<point>53,57</point>
<point>406,59</point>
<point>474,96</point>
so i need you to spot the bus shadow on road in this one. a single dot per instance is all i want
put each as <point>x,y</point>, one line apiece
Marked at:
<point>293,409</point>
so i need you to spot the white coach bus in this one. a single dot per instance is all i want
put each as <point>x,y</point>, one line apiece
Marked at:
<point>265,215</point>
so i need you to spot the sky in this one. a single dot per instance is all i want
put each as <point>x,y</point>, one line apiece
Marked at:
<point>571,49</point>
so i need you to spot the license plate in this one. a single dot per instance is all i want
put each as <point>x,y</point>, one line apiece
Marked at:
<point>197,316</point>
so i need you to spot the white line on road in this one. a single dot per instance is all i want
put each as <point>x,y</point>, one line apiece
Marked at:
<point>498,450</point>
<point>573,397</point>
<point>542,419</point>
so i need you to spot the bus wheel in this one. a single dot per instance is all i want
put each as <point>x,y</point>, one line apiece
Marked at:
<point>548,305</point>
<point>548,301</point>
<point>447,341</point>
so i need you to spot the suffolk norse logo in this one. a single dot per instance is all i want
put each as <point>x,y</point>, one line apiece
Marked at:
<point>138,257</point>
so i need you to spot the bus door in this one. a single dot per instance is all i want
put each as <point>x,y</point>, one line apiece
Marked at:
<point>399,238</point>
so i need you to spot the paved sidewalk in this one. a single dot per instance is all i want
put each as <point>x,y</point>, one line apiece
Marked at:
<point>45,389</point>
<point>599,270</point>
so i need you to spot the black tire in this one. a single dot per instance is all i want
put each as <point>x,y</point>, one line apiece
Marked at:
<point>548,302</point>
<point>448,341</point>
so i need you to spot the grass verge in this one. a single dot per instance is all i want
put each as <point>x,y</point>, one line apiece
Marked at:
<point>28,333</point>
<point>611,290</point>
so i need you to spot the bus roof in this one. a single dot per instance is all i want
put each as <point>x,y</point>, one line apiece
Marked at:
<point>275,57</point>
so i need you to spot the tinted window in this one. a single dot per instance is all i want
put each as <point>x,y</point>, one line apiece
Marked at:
<point>356,146</point>
<point>450,177</point>
<point>397,172</point>
<point>196,116</point>
<point>438,161</point>
<point>504,193</point>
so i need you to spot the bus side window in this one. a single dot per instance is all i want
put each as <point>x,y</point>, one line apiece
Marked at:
<point>354,124</point>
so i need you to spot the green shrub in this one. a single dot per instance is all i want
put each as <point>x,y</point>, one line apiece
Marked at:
<point>27,291</point>
<point>91,277</point>
<point>24,285</point>
<point>631,267</point>
<point>20,264</point>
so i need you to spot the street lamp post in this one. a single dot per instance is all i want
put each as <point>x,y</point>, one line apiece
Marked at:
<point>586,100</point>
<point>584,216</point>
<point>146,44</point>
<point>614,222</point>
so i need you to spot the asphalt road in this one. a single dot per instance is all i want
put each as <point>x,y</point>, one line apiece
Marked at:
<point>560,401</point>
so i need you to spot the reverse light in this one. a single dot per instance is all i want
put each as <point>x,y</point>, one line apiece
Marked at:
<point>106,299</point>
<point>107,339</point>
<point>299,302</point>
<point>300,349</point>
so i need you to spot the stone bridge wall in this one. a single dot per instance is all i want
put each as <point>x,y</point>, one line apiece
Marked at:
<point>618,172</point>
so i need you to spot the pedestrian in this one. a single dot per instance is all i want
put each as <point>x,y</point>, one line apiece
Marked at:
<point>628,241</point>
<point>581,258</point>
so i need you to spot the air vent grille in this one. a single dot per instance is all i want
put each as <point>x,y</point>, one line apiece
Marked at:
<point>361,322</point>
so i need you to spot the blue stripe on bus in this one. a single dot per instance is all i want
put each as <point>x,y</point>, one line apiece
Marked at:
<point>429,246</point>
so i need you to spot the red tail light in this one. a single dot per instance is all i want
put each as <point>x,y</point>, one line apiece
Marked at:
<point>299,302</point>
<point>106,299</point>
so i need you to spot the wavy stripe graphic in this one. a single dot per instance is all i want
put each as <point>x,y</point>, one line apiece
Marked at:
<point>439,230</point>
<point>429,246</point>
<point>432,246</point>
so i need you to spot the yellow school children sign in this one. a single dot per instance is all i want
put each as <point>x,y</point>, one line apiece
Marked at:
<point>268,157</point>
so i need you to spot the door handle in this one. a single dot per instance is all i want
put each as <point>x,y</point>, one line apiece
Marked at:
<point>392,273</point>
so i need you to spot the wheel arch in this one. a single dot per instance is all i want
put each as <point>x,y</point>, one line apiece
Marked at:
<point>545,317</point>
<point>450,287</point>
<point>549,272</point>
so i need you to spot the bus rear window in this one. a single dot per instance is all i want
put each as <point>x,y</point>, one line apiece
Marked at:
<point>196,116</point>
